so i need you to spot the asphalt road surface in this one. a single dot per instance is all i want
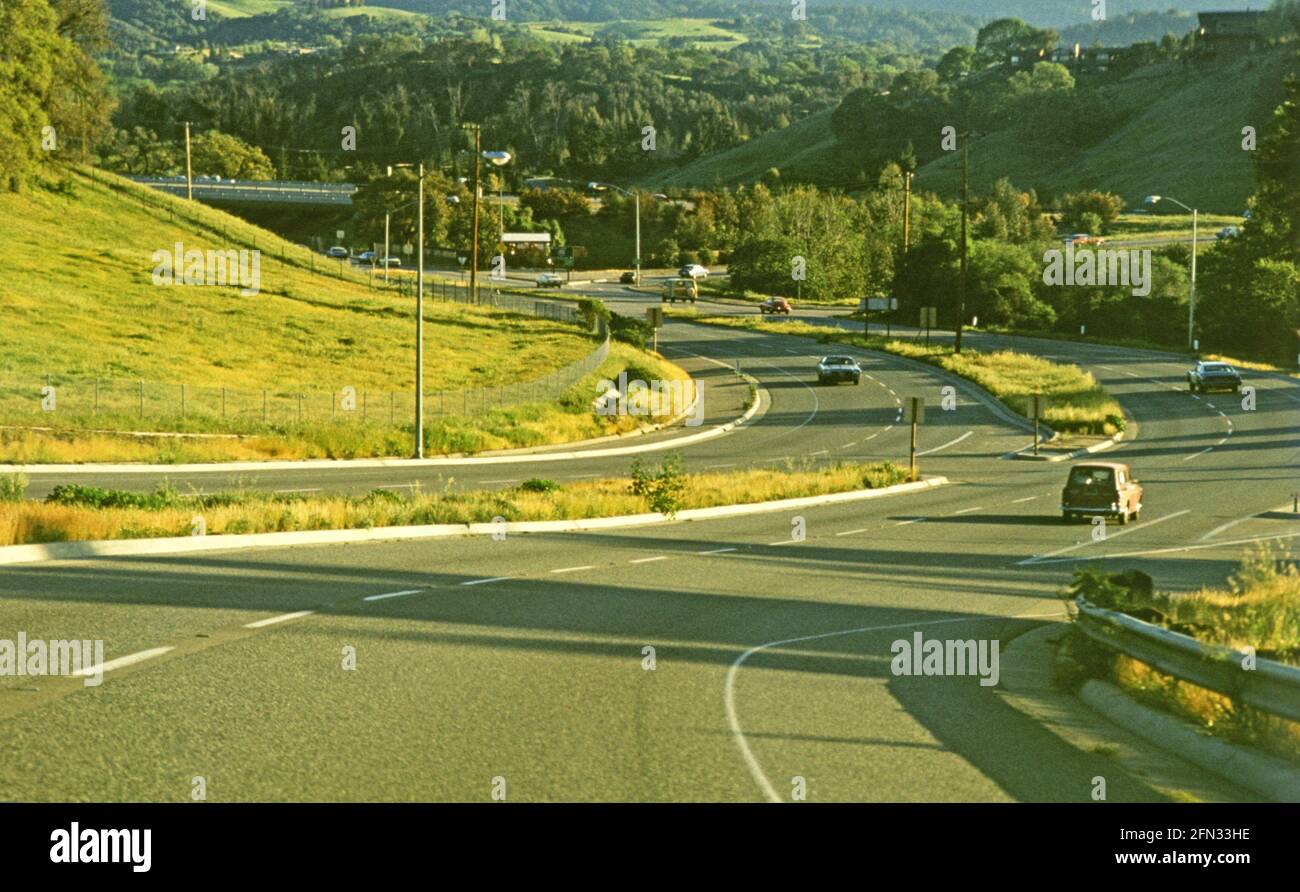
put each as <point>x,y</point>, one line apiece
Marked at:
<point>525,661</point>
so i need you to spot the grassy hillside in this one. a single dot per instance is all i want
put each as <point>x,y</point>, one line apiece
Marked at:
<point>1183,138</point>
<point>702,32</point>
<point>804,150</point>
<point>79,310</point>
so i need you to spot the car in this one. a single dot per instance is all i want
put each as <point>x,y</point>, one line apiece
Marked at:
<point>838,368</point>
<point>1102,489</point>
<point>680,289</point>
<point>390,261</point>
<point>1207,376</point>
<point>1228,232</point>
<point>550,280</point>
<point>337,251</point>
<point>1083,238</point>
<point>628,278</point>
<point>366,257</point>
<point>693,271</point>
<point>775,305</point>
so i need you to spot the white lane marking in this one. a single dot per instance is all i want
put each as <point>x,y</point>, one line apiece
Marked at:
<point>854,532</point>
<point>658,557</point>
<point>903,523</point>
<point>729,687</point>
<point>967,511</point>
<point>1173,549</point>
<point>946,445</point>
<point>511,480</point>
<point>486,581</point>
<point>317,489</point>
<point>1226,526</point>
<point>1025,499</point>
<point>1199,454</point>
<point>782,542</point>
<point>575,569</point>
<point>1038,558</point>
<point>282,618</point>
<point>716,551</point>
<point>710,467</point>
<point>122,662</point>
<point>385,597</point>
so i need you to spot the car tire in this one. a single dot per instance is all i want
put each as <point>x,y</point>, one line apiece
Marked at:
<point>1067,516</point>
<point>857,379</point>
<point>1123,518</point>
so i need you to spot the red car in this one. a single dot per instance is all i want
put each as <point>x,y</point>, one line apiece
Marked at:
<point>775,305</point>
<point>1105,489</point>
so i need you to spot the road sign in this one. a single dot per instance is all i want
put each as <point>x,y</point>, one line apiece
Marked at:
<point>882,303</point>
<point>1037,408</point>
<point>929,317</point>
<point>916,410</point>
<point>408,248</point>
<point>339,234</point>
<point>655,316</point>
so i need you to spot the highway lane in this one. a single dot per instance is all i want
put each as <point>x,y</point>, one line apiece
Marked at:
<point>523,658</point>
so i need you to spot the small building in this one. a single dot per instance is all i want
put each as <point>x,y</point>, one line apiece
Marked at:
<point>527,248</point>
<point>1232,32</point>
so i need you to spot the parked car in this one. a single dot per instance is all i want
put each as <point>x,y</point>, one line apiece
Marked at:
<point>1228,232</point>
<point>680,289</point>
<point>550,280</point>
<point>1101,489</point>
<point>628,278</point>
<point>1207,376</point>
<point>337,251</point>
<point>838,368</point>
<point>693,271</point>
<point>775,305</point>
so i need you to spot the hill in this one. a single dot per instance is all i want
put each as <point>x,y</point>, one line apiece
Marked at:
<point>1159,149</point>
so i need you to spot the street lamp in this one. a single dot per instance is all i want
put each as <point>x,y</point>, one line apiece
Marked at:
<point>636,196</point>
<point>1191,299</point>
<point>419,312</point>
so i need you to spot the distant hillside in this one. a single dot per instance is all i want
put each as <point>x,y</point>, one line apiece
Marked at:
<point>1184,138</point>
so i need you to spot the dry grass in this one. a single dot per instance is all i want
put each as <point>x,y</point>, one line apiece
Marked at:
<point>259,512</point>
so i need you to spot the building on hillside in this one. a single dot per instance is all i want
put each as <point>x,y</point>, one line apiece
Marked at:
<point>1230,32</point>
<point>527,248</point>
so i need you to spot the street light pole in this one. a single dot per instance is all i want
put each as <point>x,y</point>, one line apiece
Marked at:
<point>478,160</point>
<point>1191,296</point>
<point>419,324</point>
<point>965,210</point>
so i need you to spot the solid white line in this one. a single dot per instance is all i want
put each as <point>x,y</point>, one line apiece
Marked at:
<point>414,591</point>
<point>659,557</point>
<point>1075,547</point>
<point>946,445</point>
<point>854,532</point>
<point>716,551</point>
<point>485,581</point>
<point>729,688</point>
<point>121,662</point>
<point>575,569</point>
<point>282,618</point>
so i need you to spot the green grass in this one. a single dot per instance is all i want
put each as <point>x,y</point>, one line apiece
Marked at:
<point>79,513</point>
<point>1077,403</point>
<point>703,32</point>
<point>80,306</point>
<point>1139,227</point>
<point>239,9</point>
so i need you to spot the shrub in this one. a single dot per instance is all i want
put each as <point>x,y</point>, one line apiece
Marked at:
<point>539,484</point>
<point>13,487</point>
<point>665,489</point>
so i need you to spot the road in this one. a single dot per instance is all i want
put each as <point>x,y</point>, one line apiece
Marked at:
<point>525,659</point>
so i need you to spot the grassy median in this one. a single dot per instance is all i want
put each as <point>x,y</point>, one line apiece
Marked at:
<point>78,513</point>
<point>1077,403</point>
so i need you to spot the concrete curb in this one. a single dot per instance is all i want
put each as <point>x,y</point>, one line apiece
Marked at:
<point>503,458</point>
<point>21,554</point>
<point>1026,455</point>
<point>1265,775</point>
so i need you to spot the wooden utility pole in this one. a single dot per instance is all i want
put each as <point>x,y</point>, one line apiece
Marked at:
<point>189,169</point>
<point>965,212</point>
<point>478,159</point>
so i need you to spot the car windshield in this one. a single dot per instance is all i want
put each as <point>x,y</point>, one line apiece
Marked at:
<point>839,360</point>
<point>1092,477</point>
<point>1217,367</point>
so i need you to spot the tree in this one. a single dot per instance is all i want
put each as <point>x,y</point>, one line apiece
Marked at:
<point>1102,207</point>
<point>29,55</point>
<point>219,154</point>
<point>1000,40</point>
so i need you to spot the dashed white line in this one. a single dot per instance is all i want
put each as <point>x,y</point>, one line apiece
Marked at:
<point>385,597</point>
<point>1042,558</point>
<point>486,581</point>
<point>1025,499</point>
<point>966,511</point>
<point>716,551</point>
<point>575,569</point>
<point>282,618</point>
<point>122,662</point>
<point>946,445</point>
<point>854,532</point>
<point>317,489</point>
<point>658,557</point>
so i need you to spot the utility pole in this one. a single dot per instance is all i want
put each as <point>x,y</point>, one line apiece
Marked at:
<point>637,196</point>
<point>1191,302</point>
<point>965,211</point>
<point>189,169</point>
<point>907,240</point>
<point>419,324</point>
<point>385,258</point>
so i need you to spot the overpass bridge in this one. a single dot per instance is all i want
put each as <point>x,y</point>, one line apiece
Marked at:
<point>281,192</point>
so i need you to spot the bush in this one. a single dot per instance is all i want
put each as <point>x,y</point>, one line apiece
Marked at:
<point>13,487</point>
<point>592,309</point>
<point>664,490</point>
<point>97,497</point>
<point>629,330</point>
<point>539,484</point>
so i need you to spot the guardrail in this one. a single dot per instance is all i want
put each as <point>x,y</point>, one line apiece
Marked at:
<point>1271,687</point>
